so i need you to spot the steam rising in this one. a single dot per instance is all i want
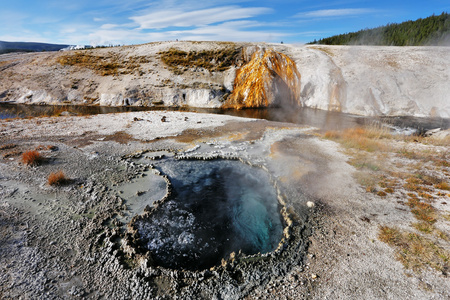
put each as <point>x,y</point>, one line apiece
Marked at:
<point>216,208</point>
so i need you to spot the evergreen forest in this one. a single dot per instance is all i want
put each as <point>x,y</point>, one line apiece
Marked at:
<point>434,30</point>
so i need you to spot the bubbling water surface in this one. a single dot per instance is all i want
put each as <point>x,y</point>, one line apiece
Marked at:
<point>217,207</point>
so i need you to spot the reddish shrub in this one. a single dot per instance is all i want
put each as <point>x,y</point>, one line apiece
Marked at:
<point>31,158</point>
<point>57,178</point>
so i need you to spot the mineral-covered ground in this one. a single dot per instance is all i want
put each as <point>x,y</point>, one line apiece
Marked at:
<point>365,214</point>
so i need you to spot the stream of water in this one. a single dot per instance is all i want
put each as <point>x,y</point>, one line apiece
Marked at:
<point>324,120</point>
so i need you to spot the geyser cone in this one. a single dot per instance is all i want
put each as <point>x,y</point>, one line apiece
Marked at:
<point>269,79</point>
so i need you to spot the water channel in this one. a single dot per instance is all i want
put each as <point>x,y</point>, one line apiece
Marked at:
<point>324,120</point>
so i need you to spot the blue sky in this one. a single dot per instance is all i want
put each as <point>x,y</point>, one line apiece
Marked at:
<point>104,22</point>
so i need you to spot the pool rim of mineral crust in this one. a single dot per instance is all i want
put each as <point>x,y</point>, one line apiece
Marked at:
<point>132,241</point>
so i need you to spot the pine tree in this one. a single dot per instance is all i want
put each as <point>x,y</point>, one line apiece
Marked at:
<point>434,30</point>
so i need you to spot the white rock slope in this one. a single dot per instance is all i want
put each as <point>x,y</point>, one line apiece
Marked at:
<point>412,81</point>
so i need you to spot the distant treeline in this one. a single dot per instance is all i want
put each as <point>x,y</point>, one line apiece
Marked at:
<point>434,30</point>
<point>8,47</point>
<point>3,51</point>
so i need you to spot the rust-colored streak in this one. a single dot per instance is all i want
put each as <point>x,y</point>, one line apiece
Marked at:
<point>269,79</point>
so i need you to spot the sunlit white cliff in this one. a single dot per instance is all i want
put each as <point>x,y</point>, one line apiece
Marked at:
<point>362,80</point>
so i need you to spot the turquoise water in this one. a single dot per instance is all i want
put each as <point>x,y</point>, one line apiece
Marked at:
<point>217,207</point>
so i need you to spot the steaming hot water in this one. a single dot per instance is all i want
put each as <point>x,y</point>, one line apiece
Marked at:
<point>326,120</point>
<point>216,207</point>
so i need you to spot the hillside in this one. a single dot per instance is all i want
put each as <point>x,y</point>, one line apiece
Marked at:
<point>363,80</point>
<point>434,30</point>
<point>9,47</point>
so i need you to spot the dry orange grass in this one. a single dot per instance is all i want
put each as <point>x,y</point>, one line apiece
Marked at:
<point>5,62</point>
<point>8,146</point>
<point>212,60</point>
<point>419,174</point>
<point>323,49</point>
<point>57,178</point>
<point>442,163</point>
<point>422,211</point>
<point>426,196</point>
<point>368,139</point>
<point>415,251</point>
<point>424,227</point>
<point>107,64</point>
<point>442,186</point>
<point>43,147</point>
<point>12,153</point>
<point>414,184</point>
<point>31,158</point>
<point>438,142</point>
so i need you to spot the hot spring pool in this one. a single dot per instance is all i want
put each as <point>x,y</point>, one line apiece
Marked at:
<point>216,207</point>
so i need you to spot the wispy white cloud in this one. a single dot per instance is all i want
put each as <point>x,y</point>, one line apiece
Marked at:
<point>109,26</point>
<point>232,22</point>
<point>12,19</point>
<point>179,18</point>
<point>325,13</point>
<point>134,21</point>
<point>310,33</point>
<point>68,30</point>
<point>226,31</point>
<point>117,36</point>
<point>230,31</point>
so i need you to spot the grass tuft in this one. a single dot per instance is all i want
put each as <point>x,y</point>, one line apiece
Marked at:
<point>420,172</point>
<point>108,64</point>
<point>8,146</point>
<point>426,196</point>
<point>442,186</point>
<point>422,211</point>
<point>424,227</point>
<point>212,60</point>
<point>367,139</point>
<point>12,154</point>
<point>389,235</point>
<point>381,194</point>
<point>57,178</point>
<point>414,184</point>
<point>365,163</point>
<point>414,251</point>
<point>31,158</point>
<point>442,163</point>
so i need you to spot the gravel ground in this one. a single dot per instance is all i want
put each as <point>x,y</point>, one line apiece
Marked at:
<point>70,241</point>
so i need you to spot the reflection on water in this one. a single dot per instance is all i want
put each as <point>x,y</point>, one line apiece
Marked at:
<point>9,110</point>
<point>304,116</point>
<point>324,120</point>
<point>330,120</point>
